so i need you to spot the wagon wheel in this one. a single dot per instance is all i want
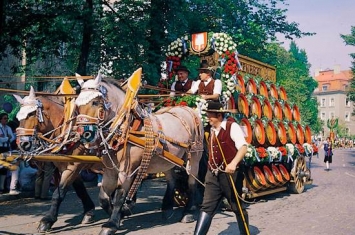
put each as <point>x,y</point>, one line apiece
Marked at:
<point>300,173</point>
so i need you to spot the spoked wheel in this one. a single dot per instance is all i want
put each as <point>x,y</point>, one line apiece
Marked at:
<point>300,174</point>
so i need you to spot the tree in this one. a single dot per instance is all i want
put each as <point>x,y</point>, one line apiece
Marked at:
<point>349,39</point>
<point>119,36</point>
<point>292,72</point>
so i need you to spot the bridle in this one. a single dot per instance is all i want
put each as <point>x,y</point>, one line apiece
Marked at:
<point>87,126</point>
<point>27,136</point>
<point>31,140</point>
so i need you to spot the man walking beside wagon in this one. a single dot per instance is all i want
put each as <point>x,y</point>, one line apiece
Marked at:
<point>227,147</point>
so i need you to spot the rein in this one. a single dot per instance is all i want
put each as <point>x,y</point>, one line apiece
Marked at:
<point>45,143</point>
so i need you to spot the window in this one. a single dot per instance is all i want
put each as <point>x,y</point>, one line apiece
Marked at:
<point>324,88</point>
<point>347,131</point>
<point>347,116</point>
<point>322,116</point>
<point>322,104</point>
<point>332,102</point>
<point>331,115</point>
<point>347,102</point>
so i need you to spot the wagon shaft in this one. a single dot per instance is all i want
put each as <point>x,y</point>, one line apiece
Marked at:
<point>52,158</point>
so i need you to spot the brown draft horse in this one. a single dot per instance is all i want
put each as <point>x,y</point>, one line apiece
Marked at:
<point>172,127</point>
<point>45,115</point>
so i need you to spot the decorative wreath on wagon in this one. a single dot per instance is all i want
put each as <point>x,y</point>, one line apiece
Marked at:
<point>228,64</point>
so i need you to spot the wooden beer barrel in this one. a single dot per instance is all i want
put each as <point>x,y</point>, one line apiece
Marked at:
<point>258,133</point>
<point>296,113</point>
<point>291,133</point>
<point>263,89</point>
<point>299,134</point>
<point>267,109</point>
<point>287,111</point>
<point>282,93</point>
<point>247,129</point>
<point>251,86</point>
<point>284,173</point>
<point>242,103</point>
<point>271,135</point>
<point>277,174</point>
<point>231,103</point>
<point>269,177</point>
<point>277,110</point>
<point>256,179</point>
<point>307,135</point>
<point>240,87</point>
<point>273,91</point>
<point>255,106</point>
<point>281,134</point>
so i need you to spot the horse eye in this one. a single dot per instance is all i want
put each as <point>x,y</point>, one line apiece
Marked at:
<point>95,103</point>
<point>31,114</point>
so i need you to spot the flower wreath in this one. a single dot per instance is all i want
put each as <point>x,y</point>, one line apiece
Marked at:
<point>308,149</point>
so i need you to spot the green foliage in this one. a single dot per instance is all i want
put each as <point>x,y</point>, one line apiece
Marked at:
<point>292,69</point>
<point>349,39</point>
<point>118,37</point>
<point>341,129</point>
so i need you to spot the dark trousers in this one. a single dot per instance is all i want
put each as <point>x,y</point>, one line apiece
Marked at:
<point>3,171</point>
<point>218,187</point>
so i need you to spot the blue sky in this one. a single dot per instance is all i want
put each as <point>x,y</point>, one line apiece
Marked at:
<point>328,19</point>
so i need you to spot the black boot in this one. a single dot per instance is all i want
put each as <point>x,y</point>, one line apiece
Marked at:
<point>241,225</point>
<point>203,223</point>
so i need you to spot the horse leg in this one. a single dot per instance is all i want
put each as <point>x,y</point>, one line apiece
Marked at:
<point>68,176</point>
<point>198,167</point>
<point>113,224</point>
<point>190,208</point>
<point>105,201</point>
<point>51,216</point>
<point>88,204</point>
<point>168,200</point>
<point>128,206</point>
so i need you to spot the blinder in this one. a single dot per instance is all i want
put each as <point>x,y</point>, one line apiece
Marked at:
<point>26,137</point>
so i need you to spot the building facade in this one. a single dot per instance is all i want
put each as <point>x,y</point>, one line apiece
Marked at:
<point>332,99</point>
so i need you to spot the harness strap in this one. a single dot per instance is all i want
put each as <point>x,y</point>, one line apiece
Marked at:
<point>147,156</point>
<point>197,144</point>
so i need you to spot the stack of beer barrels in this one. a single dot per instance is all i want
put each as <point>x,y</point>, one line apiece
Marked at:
<point>269,120</point>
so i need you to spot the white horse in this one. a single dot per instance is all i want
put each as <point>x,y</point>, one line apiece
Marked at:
<point>142,143</point>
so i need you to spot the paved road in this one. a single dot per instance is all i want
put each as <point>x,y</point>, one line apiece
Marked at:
<point>326,207</point>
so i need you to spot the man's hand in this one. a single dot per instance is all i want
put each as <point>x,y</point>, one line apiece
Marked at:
<point>231,168</point>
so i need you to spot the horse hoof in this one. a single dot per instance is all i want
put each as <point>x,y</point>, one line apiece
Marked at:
<point>88,217</point>
<point>44,226</point>
<point>189,218</point>
<point>107,231</point>
<point>168,214</point>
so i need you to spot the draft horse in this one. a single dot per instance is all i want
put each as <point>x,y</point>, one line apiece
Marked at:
<point>141,143</point>
<point>39,116</point>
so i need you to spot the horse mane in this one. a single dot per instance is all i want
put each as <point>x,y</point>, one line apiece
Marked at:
<point>113,92</point>
<point>55,99</point>
<point>113,81</point>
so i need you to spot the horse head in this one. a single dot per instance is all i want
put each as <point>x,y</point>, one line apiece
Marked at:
<point>36,115</point>
<point>96,105</point>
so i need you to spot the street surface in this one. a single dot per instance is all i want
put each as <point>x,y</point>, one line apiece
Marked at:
<point>326,207</point>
